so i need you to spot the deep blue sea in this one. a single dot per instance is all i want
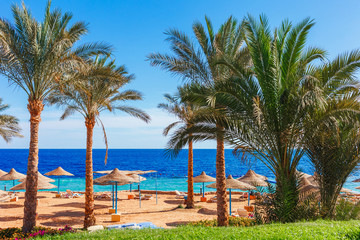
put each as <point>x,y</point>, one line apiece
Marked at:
<point>171,173</point>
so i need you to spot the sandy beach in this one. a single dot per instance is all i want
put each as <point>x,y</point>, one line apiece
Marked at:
<point>58,212</point>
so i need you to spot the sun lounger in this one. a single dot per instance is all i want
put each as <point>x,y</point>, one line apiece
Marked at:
<point>133,226</point>
<point>212,200</point>
<point>242,213</point>
<point>103,196</point>
<point>180,195</point>
<point>144,197</point>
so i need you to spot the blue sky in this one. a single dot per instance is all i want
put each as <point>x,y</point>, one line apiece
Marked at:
<point>135,28</point>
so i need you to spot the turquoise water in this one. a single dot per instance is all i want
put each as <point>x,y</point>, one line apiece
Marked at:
<point>171,173</point>
<point>163,184</point>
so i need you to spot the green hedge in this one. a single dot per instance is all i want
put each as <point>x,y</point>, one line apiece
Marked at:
<point>302,230</point>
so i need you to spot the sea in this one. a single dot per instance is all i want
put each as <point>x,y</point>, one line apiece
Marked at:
<point>170,175</point>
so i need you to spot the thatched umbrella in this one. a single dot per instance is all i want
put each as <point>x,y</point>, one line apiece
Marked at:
<point>2,173</point>
<point>252,178</point>
<point>114,177</point>
<point>307,186</point>
<point>12,175</point>
<point>42,184</point>
<point>232,183</point>
<point>302,174</point>
<point>203,178</point>
<point>59,171</point>
<point>40,176</point>
<point>136,179</point>
<point>356,180</point>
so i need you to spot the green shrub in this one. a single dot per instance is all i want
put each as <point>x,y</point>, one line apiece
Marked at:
<point>233,222</point>
<point>16,233</point>
<point>346,210</point>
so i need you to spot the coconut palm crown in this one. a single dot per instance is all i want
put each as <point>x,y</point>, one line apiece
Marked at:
<point>9,125</point>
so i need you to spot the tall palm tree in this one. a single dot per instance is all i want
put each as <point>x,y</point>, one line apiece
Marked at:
<point>94,88</point>
<point>34,56</point>
<point>271,102</point>
<point>9,125</point>
<point>331,132</point>
<point>185,113</point>
<point>197,64</point>
<point>267,104</point>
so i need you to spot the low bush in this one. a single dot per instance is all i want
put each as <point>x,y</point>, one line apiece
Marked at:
<point>346,210</point>
<point>17,234</point>
<point>233,222</point>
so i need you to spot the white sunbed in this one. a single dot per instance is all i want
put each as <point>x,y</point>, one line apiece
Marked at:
<point>180,195</point>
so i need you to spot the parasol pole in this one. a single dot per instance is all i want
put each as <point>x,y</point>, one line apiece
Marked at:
<point>203,189</point>
<point>112,195</point>
<point>116,198</point>
<point>58,185</point>
<point>139,193</point>
<point>230,200</point>
<point>156,189</point>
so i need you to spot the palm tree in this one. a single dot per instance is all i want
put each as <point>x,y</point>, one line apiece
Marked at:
<point>9,125</point>
<point>331,132</point>
<point>93,89</point>
<point>267,103</point>
<point>197,64</point>
<point>185,113</point>
<point>34,56</point>
<point>273,104</point>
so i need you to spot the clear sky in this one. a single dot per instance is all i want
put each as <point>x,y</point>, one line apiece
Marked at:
<point>135,28</point>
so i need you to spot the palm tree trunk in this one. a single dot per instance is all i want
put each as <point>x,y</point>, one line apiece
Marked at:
<point>190,197</point>
<point>222,213</point>
<point>89,189</point>
<point>35,108</point>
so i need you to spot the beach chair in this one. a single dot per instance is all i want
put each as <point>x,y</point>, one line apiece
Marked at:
<point>212,200</point>
<point>242,213</point>
<point>147,225</point>
<point>180,195</point>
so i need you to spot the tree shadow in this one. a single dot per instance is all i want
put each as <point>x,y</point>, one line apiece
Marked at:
<point>174,201</point>
<point>9,205</point>
<point>7,219</point>
<point>79,205</point>
<point>177,223</point>
<point>206,211</point>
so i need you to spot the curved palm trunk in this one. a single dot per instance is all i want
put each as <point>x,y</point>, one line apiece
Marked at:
<point>222,213</point>
<point>35,108</point>
<point>190,197</point>
<point>89,189</point>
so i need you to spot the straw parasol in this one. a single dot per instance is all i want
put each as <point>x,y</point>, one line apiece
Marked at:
<point>12,175</point>
<point>252,172</point>
<point>117,177</point>
<point>2,173</point>
<point>251,178</point>
<point>306,186</point>
<point>59,171</point>
<point>302,174</point>
<point>356,180</point>
<point>40,176</point>
<point>203,178</point>
<point>136,178</point>
<point>41,185</point>
<point>232,183</point>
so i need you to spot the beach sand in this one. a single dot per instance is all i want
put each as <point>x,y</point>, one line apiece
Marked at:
<point>58,212</point>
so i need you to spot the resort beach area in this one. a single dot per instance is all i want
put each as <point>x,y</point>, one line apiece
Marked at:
<point>167,213</point>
